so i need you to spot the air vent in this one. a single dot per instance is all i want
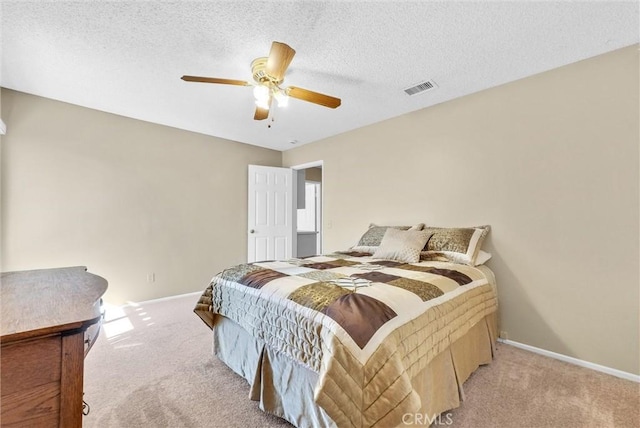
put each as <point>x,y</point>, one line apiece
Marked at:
<point>421,87</point>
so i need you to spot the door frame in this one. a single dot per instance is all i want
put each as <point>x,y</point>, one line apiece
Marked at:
<point>307,165</point>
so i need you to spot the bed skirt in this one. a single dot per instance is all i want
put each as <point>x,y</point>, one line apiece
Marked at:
<point>285,387</point>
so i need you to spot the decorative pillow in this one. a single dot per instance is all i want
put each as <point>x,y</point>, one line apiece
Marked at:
<point>459,245</point>
<point>402,245</point>
<point>370,241</point>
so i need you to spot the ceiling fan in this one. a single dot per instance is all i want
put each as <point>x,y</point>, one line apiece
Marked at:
<point>268,75</point>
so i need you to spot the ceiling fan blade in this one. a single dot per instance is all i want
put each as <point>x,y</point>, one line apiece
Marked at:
<point>261,113</point>
<point>313,97</point>
<point>279,59</point>
<point>215,80</point>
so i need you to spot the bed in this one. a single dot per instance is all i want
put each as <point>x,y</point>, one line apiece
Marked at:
<point>353,339</point>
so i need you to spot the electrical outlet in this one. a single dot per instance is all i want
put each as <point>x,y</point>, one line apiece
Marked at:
<point>504,335</point>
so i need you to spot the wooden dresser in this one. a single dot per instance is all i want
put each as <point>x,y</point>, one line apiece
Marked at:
<point>49,320</point>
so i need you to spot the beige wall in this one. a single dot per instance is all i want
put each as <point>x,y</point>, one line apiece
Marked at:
<point>313,174</point>
<point>123,197</point>
<point>551,162</point>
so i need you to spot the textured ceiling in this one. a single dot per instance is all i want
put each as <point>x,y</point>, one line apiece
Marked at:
<point>127,57</point>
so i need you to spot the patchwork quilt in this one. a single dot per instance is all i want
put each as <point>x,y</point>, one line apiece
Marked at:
<point>366,326</point>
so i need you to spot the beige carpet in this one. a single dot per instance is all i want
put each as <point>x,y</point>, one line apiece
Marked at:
<point>153,367</point>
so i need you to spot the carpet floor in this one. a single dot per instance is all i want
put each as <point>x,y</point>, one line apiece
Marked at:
<point>152,366</point>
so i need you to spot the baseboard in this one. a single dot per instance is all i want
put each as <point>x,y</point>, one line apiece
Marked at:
<point>161,299</point>
<point>597,367</point>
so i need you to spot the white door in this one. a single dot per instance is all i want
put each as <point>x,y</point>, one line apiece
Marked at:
<point>271,219</point>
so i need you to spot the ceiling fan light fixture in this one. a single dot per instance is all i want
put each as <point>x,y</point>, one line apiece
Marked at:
<point>281,97</point>
<point>261,93</point>
<point>263,104</point>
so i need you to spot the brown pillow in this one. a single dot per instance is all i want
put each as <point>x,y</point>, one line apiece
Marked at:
<point>456,244</point>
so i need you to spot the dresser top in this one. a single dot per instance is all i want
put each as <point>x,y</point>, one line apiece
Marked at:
<point>46,301</point>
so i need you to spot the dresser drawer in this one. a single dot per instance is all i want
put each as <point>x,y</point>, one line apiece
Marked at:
<point>30,396</point>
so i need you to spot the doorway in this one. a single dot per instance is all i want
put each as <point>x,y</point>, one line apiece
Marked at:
<point>309,214</point>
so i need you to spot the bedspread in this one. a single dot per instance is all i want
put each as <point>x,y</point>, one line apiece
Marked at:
<point>366,343</point>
